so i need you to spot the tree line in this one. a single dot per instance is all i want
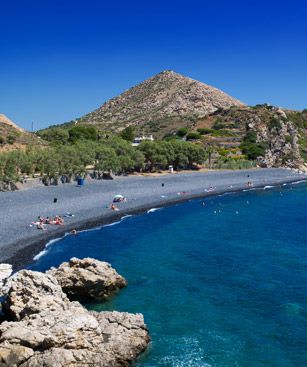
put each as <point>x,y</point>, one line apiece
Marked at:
<point>74,157</point>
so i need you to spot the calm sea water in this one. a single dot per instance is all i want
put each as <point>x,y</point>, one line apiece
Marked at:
<point>220,284</point>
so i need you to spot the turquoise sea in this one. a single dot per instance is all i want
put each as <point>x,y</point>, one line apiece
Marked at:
<point>221,281</point>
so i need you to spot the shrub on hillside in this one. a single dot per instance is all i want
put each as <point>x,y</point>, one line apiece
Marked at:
<point>251,148</point>
<point>193,135</point>
<point>274,124</point>
<point>82,132</point>
<point>182,131</point>
<point>204,130</point>
<point>11,139</point>
<point>218,124</point>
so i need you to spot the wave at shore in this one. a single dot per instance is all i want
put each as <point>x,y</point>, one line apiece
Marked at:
<point>45,250</point>
<point>152,210</point>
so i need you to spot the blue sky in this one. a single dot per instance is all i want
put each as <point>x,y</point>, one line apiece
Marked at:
<point>63,58</point>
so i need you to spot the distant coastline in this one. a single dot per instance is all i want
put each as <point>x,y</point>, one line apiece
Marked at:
<point>90,204</point>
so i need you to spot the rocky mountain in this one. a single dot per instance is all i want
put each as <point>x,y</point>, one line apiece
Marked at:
<point>12,136</point>
<point>160,105</point>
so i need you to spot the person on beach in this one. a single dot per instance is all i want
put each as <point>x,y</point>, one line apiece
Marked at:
<point>58,220</point>
<point>113,207</point>
<point>41,226</point>
<point>73,232</point>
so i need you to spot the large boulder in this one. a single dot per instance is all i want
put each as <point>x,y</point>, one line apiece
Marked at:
<point>48,330</point>
<point>30,292</point>
<point>74,337</point>
<point>87,279</point>
<point>125,334</point>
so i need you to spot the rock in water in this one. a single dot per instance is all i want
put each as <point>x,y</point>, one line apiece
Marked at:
<point>124,333</point>
<point>74,337</point>
<point>51,331</point>
<point>88,279</point>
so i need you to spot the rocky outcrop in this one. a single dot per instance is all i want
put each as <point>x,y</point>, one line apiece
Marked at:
<point>30,292</point>
<point>88,278</point>
<point>73,337</point>
<point>124,333</point>
<point>264,133</point>
<point>280,137</point>
<point>51,331</point>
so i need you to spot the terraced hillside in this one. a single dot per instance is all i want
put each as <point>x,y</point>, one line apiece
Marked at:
<point>272,136</point>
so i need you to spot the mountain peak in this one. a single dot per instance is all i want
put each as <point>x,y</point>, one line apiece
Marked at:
<point>165,101</point>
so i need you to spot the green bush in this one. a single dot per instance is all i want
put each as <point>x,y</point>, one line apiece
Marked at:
<point>57,134</point>
<point>82,132</point>
<point>182,131</point>
<point>205,131</point>
<point>218,124</point>
<point>128,133</point>
<point>250,137</point>
<point>298,118</point>
<point>251,148</point>
<point>274,124</point>
<point>11,139</point>
<point>193,135</point>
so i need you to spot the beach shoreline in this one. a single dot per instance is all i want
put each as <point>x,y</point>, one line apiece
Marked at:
<point>143,193</point>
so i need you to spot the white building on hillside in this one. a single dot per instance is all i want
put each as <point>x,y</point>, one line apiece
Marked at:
<point>138,140</point>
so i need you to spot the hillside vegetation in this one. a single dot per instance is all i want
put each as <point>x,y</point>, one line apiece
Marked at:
<point>192,123</point>
<point>269,135</point>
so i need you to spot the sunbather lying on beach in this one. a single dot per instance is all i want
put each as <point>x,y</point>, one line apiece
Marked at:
<point>58,220</point>
<point>40,226</point>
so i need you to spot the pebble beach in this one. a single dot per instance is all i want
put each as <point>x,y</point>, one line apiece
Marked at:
<point>20,240</point>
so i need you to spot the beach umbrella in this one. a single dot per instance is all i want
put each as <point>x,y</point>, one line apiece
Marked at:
<point>118,197</point>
